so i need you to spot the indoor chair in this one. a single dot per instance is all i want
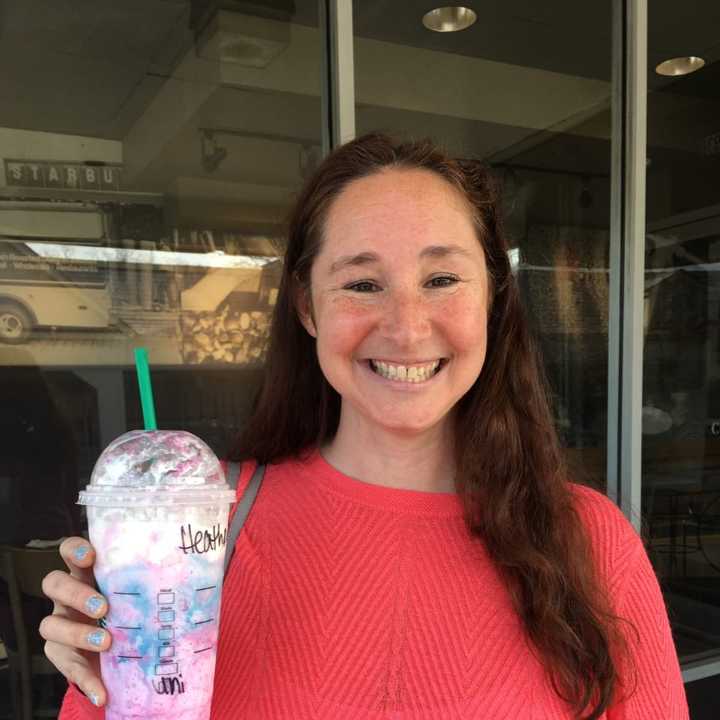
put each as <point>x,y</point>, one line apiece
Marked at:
<point>23,570</point>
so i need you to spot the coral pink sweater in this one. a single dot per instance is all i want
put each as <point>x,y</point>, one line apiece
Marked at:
<point>356,601</point>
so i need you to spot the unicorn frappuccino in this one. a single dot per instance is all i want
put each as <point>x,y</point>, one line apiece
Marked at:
<point>157,509</point>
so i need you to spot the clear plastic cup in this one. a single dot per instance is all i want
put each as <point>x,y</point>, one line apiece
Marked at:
<point>157,506</point>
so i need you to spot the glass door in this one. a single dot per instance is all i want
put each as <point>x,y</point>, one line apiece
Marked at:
<point>681,388</point>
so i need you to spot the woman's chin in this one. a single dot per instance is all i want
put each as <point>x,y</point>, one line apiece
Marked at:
<point>403,426</point>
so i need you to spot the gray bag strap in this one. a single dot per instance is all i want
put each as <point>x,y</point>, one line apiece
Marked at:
<point>243,507</point>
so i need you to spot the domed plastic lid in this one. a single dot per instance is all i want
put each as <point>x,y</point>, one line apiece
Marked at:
<point>157,467</point>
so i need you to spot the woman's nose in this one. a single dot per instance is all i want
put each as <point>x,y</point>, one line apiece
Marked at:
<point>406,318</point>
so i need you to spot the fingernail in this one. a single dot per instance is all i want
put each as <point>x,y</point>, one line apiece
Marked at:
<point>94,699</point>
<point>96,638</point>
<point>81,552</point>
<point>94,604</point>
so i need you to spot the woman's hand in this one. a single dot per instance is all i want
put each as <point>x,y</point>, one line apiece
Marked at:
<point>72,633</point>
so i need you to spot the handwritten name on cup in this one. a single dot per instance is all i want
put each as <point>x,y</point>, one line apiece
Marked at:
<point>202,541</point>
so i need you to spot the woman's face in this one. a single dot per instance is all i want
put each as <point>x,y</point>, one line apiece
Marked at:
<point>399,301</point>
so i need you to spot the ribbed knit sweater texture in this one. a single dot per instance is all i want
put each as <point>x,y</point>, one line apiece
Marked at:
<point>347,599</point>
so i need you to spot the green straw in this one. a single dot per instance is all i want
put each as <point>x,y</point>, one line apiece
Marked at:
<point>146,396</point>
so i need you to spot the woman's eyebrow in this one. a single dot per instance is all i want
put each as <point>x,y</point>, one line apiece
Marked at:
<point>367,258</point>
<point>363,258</point>
<point>441,251</point>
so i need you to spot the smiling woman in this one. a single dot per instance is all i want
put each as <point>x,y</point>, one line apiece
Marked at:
<point>418,549</point>
<point>397,269</point>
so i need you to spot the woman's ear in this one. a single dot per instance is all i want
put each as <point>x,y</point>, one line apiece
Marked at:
<point>303,303</point>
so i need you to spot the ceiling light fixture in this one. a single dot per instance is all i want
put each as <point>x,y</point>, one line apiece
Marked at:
<point>229,36</point>
<point>449,19</point>
<point>679,66</point>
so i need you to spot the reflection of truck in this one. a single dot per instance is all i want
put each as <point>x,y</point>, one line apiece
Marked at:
<point>60,267</point>
<point>35,290</point>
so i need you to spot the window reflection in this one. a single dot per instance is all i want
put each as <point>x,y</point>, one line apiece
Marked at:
<point>149,152</point>
<point>681,408</point>
<point>194,295</point>
<point>681,383</point>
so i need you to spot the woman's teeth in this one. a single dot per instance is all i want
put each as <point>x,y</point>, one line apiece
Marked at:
<point>403,373</point>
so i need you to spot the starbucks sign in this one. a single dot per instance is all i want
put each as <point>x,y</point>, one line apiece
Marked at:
<point>63,175</point>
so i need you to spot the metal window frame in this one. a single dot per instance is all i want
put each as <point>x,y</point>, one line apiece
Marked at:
<point>617,162</point>
<point>627,260</point>
<point>700,669</point>
<point>339,103</point>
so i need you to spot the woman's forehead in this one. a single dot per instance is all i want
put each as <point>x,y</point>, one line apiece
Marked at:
<point>400,200</point>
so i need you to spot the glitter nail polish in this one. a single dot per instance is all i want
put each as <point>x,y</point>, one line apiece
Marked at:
<point>96,638</point>
<point>94,604</point>
<point>81,552</point>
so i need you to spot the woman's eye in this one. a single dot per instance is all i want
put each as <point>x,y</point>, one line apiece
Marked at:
<point>443,281</point>
<point>363,286</point>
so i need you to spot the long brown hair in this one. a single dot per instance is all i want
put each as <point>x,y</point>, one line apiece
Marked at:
<point>510,474</point>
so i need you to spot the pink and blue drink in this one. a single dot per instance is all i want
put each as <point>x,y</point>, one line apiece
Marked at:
<point>157,509</point>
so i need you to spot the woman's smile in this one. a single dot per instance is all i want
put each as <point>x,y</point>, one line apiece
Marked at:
<point>407,372</point>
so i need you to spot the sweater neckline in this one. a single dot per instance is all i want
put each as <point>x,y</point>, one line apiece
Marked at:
<point>436,504</point>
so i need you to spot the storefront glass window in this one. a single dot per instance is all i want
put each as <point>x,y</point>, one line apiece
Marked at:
<point>681,393</point>
<point>527,89</point>
<point>149,152</point>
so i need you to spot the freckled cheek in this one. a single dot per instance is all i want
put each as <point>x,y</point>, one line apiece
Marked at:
<point>464,324</point>
<point>344,326</point>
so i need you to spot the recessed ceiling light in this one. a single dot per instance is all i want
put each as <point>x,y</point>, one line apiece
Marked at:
<point>679,66</point>
<point>449,19</point>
